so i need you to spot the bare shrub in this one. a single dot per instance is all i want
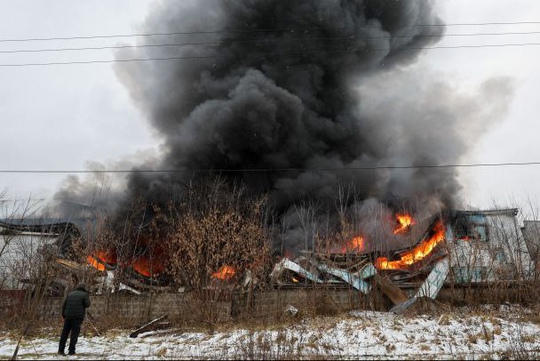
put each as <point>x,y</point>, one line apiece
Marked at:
<point>216,238</point>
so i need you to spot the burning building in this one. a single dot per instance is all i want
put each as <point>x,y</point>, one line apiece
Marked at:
<point>298,100</point>
<point>28,246</point>
<point>454,247</point>
<point>311,102</point>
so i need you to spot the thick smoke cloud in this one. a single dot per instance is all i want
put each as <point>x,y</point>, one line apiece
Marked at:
<point>298,98</point>
<point>270,87</point>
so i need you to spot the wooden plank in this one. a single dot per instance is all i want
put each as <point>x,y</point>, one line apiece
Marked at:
<point>71,264</point>
<point>394,293</point>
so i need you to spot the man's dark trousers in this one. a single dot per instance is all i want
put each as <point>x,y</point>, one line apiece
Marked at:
<point>72,325</point>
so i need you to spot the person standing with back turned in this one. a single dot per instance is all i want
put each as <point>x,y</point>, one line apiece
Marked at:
<point>73,312</point>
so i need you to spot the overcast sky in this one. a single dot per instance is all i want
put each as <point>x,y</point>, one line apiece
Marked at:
<point>64,117</point>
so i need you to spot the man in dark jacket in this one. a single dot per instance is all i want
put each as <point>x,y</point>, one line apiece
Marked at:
<point>73,312</point>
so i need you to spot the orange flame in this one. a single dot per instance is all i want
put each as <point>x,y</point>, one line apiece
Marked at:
<point>145,267</point>
<point>94,262</point>
<point>224,273</point>
<point>416,254</point>
<point>405,220</point>
<point>355,244</point>
<point>100,258</point>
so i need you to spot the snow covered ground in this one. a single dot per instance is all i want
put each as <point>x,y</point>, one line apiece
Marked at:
<point>507,333</point>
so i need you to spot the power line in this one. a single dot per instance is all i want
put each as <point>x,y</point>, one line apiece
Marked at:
<point>214,43</point>
<point>302,53</point>
<point>162,34</point>
<point>21,199</point>
<point>202,32</point>
<point>259,170</point>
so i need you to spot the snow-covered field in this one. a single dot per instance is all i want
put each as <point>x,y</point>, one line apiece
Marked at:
<point>507,333</point>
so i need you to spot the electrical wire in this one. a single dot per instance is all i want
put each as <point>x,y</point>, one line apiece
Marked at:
<point>249,31</point>
<point>302,53</point>
<point>260,170</point>
<point>214,43</point>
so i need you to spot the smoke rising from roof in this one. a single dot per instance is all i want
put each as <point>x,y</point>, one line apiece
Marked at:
<point>306,93</point>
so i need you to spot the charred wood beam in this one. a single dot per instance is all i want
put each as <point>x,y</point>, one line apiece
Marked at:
<point>394,293</point>
<point>152,325</point>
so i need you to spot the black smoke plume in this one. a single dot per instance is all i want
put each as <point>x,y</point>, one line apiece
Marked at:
<point>299,98</point>
<point>267,88</point>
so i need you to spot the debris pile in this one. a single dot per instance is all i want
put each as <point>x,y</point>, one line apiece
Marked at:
<point>458,246</point>
<point>423,267</point>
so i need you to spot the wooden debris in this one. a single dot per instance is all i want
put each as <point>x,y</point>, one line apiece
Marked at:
<point>394,293</point>
<point>72,265</point>
<point>168,332</point>
<point>150,326</point>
